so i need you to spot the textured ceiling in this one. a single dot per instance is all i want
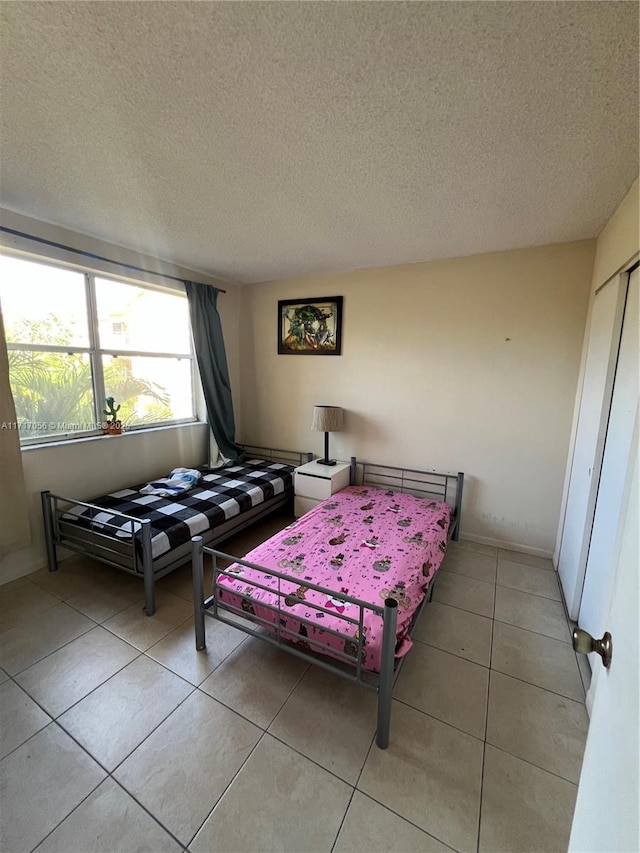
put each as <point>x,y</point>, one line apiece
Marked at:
<point>267,140</point>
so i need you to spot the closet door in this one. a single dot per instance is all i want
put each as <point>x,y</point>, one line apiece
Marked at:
<point>602,349</point>
<point>617,455</point>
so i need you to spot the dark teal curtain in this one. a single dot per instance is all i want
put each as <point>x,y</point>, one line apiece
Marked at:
<point>212,363</point>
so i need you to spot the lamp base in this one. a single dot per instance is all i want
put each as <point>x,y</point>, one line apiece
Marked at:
<point>326,461</point>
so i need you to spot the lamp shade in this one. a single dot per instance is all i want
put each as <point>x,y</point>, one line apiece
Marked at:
<point>327,418</point>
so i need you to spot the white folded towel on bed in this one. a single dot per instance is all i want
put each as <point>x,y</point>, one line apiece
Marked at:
<point>178,481</point>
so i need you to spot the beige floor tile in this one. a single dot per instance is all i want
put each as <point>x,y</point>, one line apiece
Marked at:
<point>330,721</point>
<point>525,559</point>
<point>255,680</point>
<point>465,593</point>
<point>113,720</point>
<point>74,575</point>
<point>539,660</point>
<point>109,821</point>
<point>41,782</point>
<point>106,600</point>
<point>21,717</point>
<point>538,726</point>
<point>34,638</point>
<point>182,769</point>
<point>457,631</point>
<point>247,540</point>
<point>471,564</point>
<point>177,651</point>
<point>371,828</point>
<point>180,582</point>
<point>14,584</point>
<point>529,579</point>
<point>23,602</point>
<point>430,775</point>
<point>68,675</point>
<point>142,631</point>
<point>469,545</point>
<point>445,686</point>
<point>148,721</point>
<point>305,805</point>
<point>531,612</point>
<point>523,808</point>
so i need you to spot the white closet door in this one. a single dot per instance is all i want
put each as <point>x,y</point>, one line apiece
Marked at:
<point>617,454</point>
<point>606,815</point>
<point>604,337</point>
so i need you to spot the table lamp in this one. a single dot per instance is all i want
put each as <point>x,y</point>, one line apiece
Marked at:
<point>327,419</point>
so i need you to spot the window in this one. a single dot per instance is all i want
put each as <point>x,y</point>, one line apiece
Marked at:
<point>74,339</point>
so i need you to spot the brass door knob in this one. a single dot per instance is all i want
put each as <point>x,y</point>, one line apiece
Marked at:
<point>584,644</point>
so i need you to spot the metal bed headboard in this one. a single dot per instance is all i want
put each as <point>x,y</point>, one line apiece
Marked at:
<point>422,484</point>
<point>286,457</point>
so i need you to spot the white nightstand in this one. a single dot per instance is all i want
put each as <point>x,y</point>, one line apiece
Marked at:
<point>314,483</point>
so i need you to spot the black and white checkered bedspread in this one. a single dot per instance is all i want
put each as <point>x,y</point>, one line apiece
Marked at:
<point>219,496</point>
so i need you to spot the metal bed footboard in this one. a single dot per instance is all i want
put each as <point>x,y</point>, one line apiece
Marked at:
<point>352,668</point>
<point>132,555</point>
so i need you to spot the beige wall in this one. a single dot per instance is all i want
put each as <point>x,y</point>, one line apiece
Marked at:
<point>467,364</point>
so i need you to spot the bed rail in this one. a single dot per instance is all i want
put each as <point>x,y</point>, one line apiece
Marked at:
<point>352,658</point>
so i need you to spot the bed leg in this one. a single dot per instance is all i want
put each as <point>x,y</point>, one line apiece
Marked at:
<point>458,506</point>
<point>147,569</point>
<point>385,687</point>
<point>198,592</point>
<point>49,537</point>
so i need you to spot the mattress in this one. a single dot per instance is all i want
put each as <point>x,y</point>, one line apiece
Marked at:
<point>219,496</point>
<point>364,542</point>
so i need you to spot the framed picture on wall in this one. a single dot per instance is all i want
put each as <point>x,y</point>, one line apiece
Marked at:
<point>310,326</point>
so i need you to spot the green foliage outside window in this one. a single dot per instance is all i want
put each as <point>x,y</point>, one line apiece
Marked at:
<point>56,387</point>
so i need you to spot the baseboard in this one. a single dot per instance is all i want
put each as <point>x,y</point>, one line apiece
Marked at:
<point>25,567</point>
<point>21,569</point>
<point>509,546</point>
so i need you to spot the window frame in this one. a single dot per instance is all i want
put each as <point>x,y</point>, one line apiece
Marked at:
<point>96,353</point>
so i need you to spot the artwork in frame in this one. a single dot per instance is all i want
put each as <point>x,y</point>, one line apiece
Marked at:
<point>310,326</point>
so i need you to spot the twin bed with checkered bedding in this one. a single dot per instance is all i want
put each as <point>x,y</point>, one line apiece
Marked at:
<point>149,535</point>
<point>219,496</point>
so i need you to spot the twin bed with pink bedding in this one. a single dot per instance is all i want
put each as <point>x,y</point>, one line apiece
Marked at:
<point>343,585</point>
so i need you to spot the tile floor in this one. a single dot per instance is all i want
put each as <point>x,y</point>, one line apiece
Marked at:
<point>117,736</point>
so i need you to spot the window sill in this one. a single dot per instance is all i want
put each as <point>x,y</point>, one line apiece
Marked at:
<point>69,439</point>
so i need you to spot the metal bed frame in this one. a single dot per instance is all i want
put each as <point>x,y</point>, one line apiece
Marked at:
<point>350,662</point>
<point>134,555</point>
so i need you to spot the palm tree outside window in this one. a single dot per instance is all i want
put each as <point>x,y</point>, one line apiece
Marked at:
<point>74,338</point>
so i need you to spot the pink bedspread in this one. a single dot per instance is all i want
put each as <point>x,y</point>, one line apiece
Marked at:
<point>365,542</point>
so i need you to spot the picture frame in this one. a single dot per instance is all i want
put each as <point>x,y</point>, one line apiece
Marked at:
<point>310,326</point>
